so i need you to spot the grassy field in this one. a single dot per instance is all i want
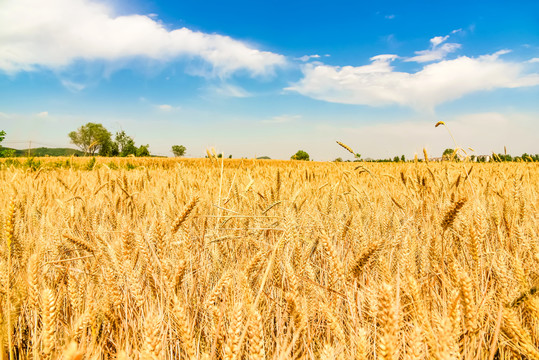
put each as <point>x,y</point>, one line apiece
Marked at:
<point>251,259</point>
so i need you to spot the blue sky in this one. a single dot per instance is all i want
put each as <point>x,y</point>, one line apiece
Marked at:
<point>268,78</point>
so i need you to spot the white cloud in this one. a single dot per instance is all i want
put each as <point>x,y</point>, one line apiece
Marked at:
<point>436,52</point>
<point>164,107</point>
<point>390,16</point>
<point>73,86</point>
<point>282,119</point>
<point>534,60</point>
<point>43,114</point>
<point>229,90</point>
<point>437,40</point>
<point>55,33</point>
<point>305,58</point>
<point>377,84</point>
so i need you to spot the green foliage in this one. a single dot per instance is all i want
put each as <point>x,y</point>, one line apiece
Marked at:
<point>300,155</point>
<point>8,153</point>
<point>530,158</point>
<point>503,157</point>
<point>143,150</point>
<point>3,153</point>
<point>125,144</point>
<point>109,148</point>
<point>32,164</point>
<point>92,139</point>
<point>178,150</point>
<point>43,151</point>
<point>448,154</point>
<point>90,165</point>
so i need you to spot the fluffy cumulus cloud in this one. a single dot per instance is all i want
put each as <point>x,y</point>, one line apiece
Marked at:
<point>378,84</point>
<point>55,33</point>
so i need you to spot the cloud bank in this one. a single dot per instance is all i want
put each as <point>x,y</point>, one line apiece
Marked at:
<point>378,84</point>
<point>54,33</point>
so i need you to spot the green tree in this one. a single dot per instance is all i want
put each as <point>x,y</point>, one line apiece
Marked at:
<point>109,148</point>
<point>8,153</point>
<point>178,150</point>
<point>5,152</point>
<point>143,150</point>
<point>91,139</point>
<point>448,154</point>
<point>125,144</point>
<point>300,155</point>
<point>403,158</point>
<point>2,137</point>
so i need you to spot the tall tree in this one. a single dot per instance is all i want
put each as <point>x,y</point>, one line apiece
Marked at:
<point>448,154</point>
<point>91,139</point>
<point>143,150</point>
<point>6,152</point>
<point>178,150</point>
<point>300,155</point>
<point>126,144</point>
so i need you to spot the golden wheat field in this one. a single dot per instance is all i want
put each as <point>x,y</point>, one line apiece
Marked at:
<point>250,259</point>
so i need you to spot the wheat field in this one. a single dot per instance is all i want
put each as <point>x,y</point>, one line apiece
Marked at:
<point>250,259</point>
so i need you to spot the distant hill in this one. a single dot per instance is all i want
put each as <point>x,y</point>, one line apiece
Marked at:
<point>43,151</point>
<point>264,158</point>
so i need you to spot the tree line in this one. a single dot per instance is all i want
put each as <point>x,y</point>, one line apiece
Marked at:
<point>94,139</point>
